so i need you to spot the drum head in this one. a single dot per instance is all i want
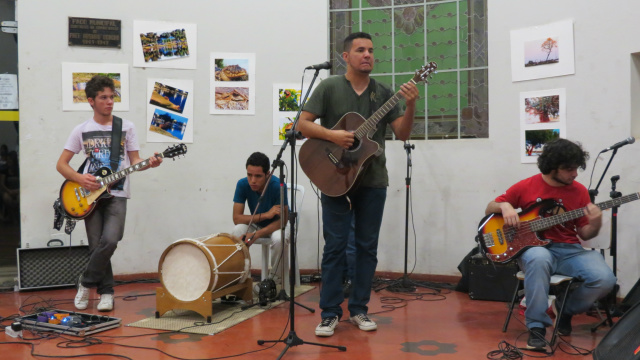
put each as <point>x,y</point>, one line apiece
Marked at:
<point>185,271</point>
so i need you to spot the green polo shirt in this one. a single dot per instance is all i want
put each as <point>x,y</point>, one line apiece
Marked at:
<point>335,97</point>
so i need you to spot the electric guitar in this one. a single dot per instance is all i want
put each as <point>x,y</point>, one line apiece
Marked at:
<point>502,243</point>
<point>79,202</point>
<point>335,170</point>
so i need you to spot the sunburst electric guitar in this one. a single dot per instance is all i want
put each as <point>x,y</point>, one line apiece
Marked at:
<point>79,202</point>
<point>335,170</point>
<point>502,243</point>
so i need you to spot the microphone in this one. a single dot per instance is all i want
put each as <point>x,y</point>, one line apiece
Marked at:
<point>324,66</point>
<point>629,140</point>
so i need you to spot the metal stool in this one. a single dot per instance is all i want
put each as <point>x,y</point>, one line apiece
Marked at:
<point>554,281</point>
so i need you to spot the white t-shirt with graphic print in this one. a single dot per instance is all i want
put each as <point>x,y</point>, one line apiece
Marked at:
<point>95,141</point>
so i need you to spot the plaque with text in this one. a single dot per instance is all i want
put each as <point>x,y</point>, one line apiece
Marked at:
<point>94,32</point>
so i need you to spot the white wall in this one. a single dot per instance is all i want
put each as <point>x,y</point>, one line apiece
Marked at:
<point>192,196</point>
<point>600,102</point>
<point>452,180</point>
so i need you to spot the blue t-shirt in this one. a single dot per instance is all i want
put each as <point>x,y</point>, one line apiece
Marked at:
<point>271,197</point>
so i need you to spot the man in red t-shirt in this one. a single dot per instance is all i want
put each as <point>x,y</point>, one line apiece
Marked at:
<point>558,164</point>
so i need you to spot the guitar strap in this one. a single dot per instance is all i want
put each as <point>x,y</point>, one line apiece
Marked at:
<point>116,138</point>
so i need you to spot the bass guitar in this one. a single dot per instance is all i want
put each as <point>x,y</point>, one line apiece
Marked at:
<point>502,243</point>
<point>335,170</point>
<point>79,202</point>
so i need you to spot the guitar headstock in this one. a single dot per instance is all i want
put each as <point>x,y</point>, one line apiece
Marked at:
<point>425,72</point>
<point>175,150</point>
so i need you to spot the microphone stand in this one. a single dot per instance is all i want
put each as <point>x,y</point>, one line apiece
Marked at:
<point>290,138</point>
<point>405,284</point>
<point>610,298</point>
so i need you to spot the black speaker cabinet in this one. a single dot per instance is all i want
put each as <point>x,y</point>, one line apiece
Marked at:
<point>632,298</point>
<point>491,281</point>
<point>622,342</point>
<point>51,266</point>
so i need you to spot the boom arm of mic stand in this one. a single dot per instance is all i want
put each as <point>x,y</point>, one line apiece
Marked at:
<point>594,192</point>
<point>304,101</point>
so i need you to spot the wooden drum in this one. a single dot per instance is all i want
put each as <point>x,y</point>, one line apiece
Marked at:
<point>189,268</point>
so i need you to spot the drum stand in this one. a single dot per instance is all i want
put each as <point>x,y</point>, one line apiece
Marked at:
<point>290,137</point>
<point>203,305</point>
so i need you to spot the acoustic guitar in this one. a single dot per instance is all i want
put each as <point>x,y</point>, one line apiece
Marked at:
<point>79,202</point>
<point>334,169</point>
<point>502,243</point>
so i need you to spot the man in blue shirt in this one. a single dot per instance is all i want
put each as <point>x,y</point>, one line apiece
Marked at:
<point>266,221</point>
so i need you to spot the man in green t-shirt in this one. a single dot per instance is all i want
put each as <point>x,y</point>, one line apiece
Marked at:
<point>334,97</point>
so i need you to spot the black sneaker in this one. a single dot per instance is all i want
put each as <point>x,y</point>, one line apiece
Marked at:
<point>536,339</point>
<point>562,322</point>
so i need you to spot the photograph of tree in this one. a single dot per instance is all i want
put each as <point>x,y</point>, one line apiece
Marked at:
<point>542,109</point>
<point>168,97</point>
<point>541,52</point>
<point>164,45</point>
<point>536,139</point>
<point>543,116</point>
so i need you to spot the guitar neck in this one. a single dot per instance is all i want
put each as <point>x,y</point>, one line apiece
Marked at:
<point>548,222</point>
<point>371,123</point>
<point>109,179</point>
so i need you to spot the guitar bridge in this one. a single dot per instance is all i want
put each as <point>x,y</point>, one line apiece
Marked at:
<point>488,240</point>
<point>334,160</point>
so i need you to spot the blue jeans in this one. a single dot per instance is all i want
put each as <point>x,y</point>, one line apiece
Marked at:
<point>366,208</point>
<point>350,269</point>
<point>105,227</point>
<point>539,263</point>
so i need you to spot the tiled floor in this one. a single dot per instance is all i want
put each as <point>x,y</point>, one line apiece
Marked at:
<point>447,326</point>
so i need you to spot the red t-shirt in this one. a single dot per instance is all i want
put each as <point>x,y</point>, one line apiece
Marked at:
<point>530,191</point>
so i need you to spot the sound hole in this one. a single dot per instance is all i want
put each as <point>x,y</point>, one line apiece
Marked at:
<point>356,144</point>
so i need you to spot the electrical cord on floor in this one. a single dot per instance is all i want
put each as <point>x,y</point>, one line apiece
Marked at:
<point>561,344</point>
<point>505,351</point>
<point>576,349</point>
<point>33,354</point>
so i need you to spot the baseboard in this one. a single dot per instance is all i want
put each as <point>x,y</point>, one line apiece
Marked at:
<point>451,279</point>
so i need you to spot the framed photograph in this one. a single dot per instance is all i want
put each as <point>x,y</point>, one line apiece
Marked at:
<point>232,83</point>
<point>164,45</point>
<point>286,104</point>
<point>542,119</point>
<point>74,81</point>
<point>170,110</point>
<point>542,51</point>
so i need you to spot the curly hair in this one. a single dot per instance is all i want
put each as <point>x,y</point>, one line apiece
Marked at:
<point>259,159</point>
<point>346,44</point>
<point>562,153</point>
<point>98,83</point>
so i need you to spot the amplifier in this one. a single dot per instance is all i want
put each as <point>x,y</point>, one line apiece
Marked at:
<point>52,266</point>
<point>491,281</point>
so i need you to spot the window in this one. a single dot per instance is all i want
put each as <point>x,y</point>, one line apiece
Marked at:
<point>410,33</point>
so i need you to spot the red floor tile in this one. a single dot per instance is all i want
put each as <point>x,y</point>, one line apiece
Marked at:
<point>450,326</point>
